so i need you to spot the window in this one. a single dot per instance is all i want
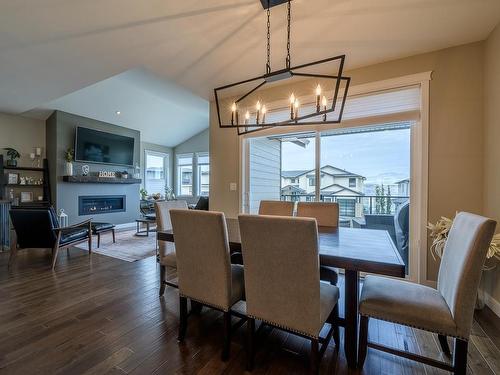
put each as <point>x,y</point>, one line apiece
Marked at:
<point>155,172</point>
<point>352,182</point>
<point>185,174</point>
<point>203,174</point>
<point>293,180</point>
<point>312,181</point>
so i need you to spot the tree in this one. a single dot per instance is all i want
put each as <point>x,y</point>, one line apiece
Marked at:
<point>378,200</point>
<point>382,199</point>
<point>388,201</point>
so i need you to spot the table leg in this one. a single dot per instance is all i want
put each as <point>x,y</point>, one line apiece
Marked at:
<point>147,229</point>
<point>351,317</point>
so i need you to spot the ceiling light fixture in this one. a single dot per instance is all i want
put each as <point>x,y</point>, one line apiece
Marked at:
<point>118,113</point>
<point>251,112</point>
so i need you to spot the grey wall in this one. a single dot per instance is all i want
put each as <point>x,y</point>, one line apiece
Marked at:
<point>60,131</point>
<point>197,143</point>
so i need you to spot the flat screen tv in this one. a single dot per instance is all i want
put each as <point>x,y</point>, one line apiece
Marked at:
<point>94,146</point>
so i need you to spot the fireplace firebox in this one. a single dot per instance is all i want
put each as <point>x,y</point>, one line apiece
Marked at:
<point>101,204</point>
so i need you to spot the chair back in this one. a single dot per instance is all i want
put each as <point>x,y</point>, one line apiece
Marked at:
<point>34,227</point>
<point>281,261</point>
<point>461,266</point>
<point>202,204</point>
<point>325,213</point>
<point>203,260</point>
<point>276,208</point>
<point>163,222</point>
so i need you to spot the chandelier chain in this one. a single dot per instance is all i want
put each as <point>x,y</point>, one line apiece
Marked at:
<point>268,63</point>
<point>289,18</point>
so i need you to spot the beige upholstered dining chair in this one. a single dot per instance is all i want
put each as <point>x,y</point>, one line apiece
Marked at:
<point>282,285</point>
<point>276,208</point>
<point>204,268</point>
<point>326,215</point>
<point>447,311</point>
<point>166,250</point>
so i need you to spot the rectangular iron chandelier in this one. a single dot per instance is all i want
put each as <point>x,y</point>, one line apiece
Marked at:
<point>321,104</point>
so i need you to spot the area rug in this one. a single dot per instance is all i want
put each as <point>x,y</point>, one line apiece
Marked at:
<point>128,247</point>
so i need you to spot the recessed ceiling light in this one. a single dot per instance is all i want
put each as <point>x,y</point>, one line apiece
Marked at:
<point>118,113</point>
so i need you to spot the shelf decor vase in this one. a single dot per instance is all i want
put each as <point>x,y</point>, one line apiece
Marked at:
<point>69,169</point>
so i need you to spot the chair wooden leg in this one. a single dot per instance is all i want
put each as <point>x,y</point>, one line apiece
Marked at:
<point>98,240</point>
<point>363,340</point>
<point>314,356</point>
<point>55,251</point>
<point>90,237</point>
<point>227,336</point>
<point>460,357</point>
<point>163,275</point>
<point>183,315</point>
<point>250,343</point>
<point>113,234</point>
<point>336,330</point>
<point>444,344</point>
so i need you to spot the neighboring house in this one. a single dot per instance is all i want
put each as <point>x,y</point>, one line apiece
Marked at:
<point>337,185</point>
<point>404,188</point>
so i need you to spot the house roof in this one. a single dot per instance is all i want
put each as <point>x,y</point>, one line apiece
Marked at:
<point>402,181</point>
<point>293,189</point>
<point>297,173</point>
<point>340,188</point>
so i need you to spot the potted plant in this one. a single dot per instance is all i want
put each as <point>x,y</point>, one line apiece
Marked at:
<point>144,194</point>
<point>13,155</point>
<point>68,156</point>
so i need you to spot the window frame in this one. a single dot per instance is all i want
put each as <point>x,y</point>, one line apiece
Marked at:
<point>178,180</point>
<point>198,172</point>
<point>166,167</point>
<point>419,159</point>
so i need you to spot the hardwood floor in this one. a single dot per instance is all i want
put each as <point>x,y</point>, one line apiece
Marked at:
<point>99,315</point>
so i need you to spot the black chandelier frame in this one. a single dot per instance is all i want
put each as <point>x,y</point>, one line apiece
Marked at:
<point>288,72</point>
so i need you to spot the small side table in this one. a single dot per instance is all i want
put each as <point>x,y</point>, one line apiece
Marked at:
<point>147,222</point>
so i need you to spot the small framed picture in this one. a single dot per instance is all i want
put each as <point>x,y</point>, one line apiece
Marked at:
<point>13,178</point>
<point>26,196</point>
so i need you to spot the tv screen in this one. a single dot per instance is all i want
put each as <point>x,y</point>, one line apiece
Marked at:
<point>93,146</point>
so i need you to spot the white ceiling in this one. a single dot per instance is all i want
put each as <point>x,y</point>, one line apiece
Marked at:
<point>51,48</point>
<point>163,112</point>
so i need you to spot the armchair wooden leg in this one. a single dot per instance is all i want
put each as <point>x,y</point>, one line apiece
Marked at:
<point>314,356</point>
<point>183,315</point>
<point>163,275</point>
<point>113,233</point>
<point>227,336</point>
<point>13,252</point>
<point>363,340</point>
<point>460,357</point>
<point>55,251</point>
<point>98,240</point>
<point>90,237</point>
<point>250,343</point>
<point>444,344</point>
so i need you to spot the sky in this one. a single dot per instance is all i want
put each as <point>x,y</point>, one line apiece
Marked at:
<point>381,157</point>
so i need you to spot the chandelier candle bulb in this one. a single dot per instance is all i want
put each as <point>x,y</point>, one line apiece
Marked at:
<point>318,98</point>
<point>247,117</point>
<point>292,103</point>
<point>296,109</point>
<point>264,110</point>
<point>258,107</point>
<point>325,102</point>
<point>233,113</point>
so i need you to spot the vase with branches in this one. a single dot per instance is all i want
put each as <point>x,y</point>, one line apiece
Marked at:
<point>13,155</point>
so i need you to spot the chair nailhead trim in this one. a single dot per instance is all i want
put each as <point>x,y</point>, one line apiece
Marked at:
<point>284,327</point>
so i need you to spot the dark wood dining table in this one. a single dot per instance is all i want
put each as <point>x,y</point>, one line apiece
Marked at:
<point>355,251</point>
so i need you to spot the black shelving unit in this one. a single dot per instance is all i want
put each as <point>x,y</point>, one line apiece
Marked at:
<point>4,185</point>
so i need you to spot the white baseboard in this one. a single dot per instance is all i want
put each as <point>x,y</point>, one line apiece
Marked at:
<point>492,303</point>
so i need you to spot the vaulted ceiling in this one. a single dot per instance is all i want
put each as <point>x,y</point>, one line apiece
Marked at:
<point>51,48</point>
